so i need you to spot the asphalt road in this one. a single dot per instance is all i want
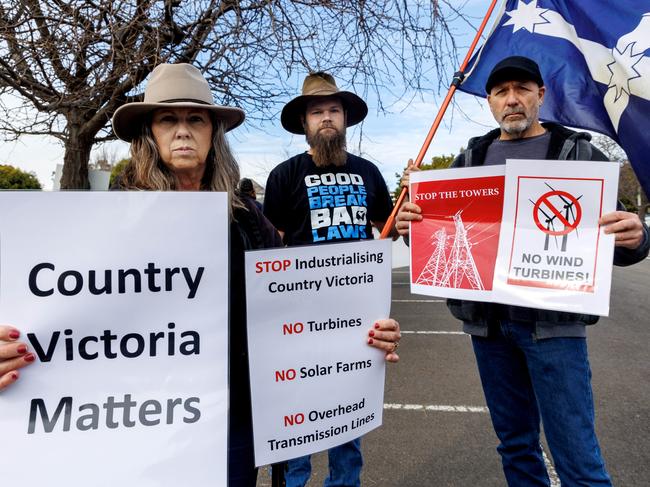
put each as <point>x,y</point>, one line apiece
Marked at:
<point>436,429</point>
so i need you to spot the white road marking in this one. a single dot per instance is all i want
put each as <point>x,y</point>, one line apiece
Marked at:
<point>432,332</point>
<point>437,408</point>
<point>418,300</point>
<point>552,474</point>
<point>555,480</point>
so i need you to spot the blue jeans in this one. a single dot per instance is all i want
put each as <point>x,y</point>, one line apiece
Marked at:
<point>523,379</point>
<point>345,462</point>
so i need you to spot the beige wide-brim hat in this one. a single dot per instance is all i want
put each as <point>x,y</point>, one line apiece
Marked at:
<point>319,85</point>
<point>172,86</point>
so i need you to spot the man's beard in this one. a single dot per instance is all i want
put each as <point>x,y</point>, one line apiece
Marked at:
<point>327,149</point>
<point>518,127</point>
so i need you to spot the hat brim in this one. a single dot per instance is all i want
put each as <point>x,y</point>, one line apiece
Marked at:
<point>511,73</point>
<point>356,110</point>
<point>127,119</point>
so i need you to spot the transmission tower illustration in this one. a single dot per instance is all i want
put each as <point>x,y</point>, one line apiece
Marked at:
<point>449,271</point>
<point>434,272</point>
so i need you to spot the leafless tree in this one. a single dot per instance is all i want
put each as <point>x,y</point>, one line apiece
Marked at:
<point>610,148</point>
<point>630,191</point>
<point>67,65</point>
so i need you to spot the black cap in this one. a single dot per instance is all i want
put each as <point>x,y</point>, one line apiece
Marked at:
<point>514,68</point>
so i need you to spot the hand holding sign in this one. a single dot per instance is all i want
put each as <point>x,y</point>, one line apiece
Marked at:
<point>626,227</point>
<point>552,252</point>
<point>131,338</point>
<point>385,336</point>
<point>13,355</point>
<point>409,212</point>
<point>315,303</point>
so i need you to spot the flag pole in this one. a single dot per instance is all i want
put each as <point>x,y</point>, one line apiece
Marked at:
<point>458,78</point>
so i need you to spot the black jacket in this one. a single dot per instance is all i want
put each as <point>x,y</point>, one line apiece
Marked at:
<point>565,144</point>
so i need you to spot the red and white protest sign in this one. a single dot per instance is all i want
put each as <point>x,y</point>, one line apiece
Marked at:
<point>553,254</point>
<point>315,382</point>
<point>454,248</point>
<point>557,216</point>
<point>525,234</point>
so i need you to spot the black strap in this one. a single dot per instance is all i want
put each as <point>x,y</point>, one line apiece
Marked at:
<point>583,150</point>
<point>277,474</point>
<point>459,76</point>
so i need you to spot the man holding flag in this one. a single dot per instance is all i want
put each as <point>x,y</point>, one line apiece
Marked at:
<point>595,57</point>
<point>533,363</point>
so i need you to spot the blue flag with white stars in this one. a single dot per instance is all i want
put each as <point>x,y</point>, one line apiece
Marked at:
<point>594,56</point>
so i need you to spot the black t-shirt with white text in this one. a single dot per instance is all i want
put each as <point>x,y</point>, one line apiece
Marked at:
<point>313,204</point>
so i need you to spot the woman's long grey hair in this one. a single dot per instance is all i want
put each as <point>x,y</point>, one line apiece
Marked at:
<point>146,171</point>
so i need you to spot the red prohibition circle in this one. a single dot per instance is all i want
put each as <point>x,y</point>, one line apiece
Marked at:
<point>568,226</point>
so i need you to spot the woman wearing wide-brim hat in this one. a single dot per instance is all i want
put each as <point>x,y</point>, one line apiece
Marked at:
<point>177,137</point>
<point>178,143</point>
<point>164,158</point>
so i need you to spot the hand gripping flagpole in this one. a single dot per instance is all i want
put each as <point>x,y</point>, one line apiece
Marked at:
<point>458,79</point>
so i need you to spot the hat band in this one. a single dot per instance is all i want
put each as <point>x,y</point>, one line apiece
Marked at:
<point>185,100</point>
<point>321,92</point>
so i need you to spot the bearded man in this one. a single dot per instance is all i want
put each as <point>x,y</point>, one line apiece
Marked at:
<point>533,363</point>
<point>326,195</point>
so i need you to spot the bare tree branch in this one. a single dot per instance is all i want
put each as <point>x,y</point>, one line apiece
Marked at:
<point>67,65</point>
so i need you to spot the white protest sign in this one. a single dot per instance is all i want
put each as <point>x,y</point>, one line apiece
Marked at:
<point>124,298</point>
<point>552,252</point>
<point>315,382</point>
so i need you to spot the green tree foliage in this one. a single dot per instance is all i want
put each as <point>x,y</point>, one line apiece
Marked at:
<point>437,162</point>
<point>117,169</point>
<point>13,178</point>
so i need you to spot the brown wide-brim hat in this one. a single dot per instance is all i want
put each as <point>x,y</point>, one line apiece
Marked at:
<point>172,86</point>
<point>321,85</point>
